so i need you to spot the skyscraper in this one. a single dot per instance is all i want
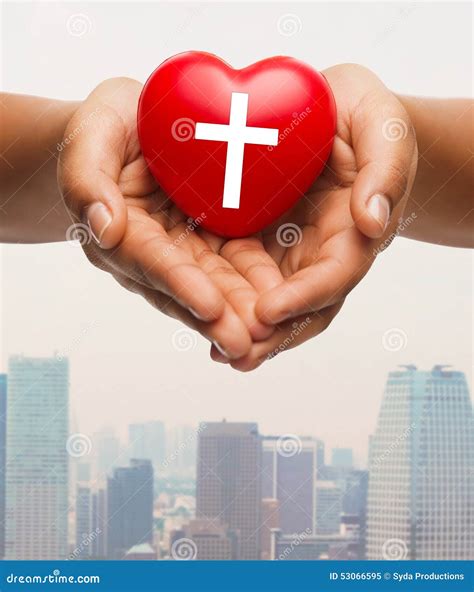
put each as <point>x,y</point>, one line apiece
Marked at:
<point>129,507</point>
<point>3,435</point>
<point>204,539</point>
<point>148,440</point>
<point>99,524</point>
<point>290,471</point>
<point>270,522</point>
<point>328,508</point>
<point>91,524</point>
<point>421,460</point>
<point>83,522</point>
<point>37,458</point>
<point>228,481</point>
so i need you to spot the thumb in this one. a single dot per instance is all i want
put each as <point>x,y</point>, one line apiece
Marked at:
<point>386,154</point>
<point>88,172</point>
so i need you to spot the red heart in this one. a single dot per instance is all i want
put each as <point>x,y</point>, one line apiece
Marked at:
<point>195,88</point>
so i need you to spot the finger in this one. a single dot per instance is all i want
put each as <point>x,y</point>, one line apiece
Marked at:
<point>236,290</point>
<point>385,149</point>
<point>158,300</point>
<point>148,255</point>
<point>340,266</point>
<point>249,258</point>
<point>289,335</point>
<point>89,170</point>
<point>227,334</point>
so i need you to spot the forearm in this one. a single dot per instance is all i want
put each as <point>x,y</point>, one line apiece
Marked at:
<point>31,207</point>
<point>442,195</point>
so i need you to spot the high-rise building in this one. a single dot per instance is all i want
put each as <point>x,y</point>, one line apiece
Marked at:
<point>228,481</point>
<point>328,508</point>
<point>91,524</point>
<point>83,522</point>
<point>148,440</point>
<point>129,507</point>
<point>37,458</point>
<point>290,471</point>
<point>204,540</point>
<point>310,547</point>
<point>354,489</point>
<point>421,461</point>
<point>99,524</point>
<point>354,504</point>
<point>342,457</point>
<point>270,522</point>
<point>352,484</point>
<point>3,436</point>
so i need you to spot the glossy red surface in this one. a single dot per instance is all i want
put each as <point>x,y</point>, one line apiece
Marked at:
<point>284,93</point>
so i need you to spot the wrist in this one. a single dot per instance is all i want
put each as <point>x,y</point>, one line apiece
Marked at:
<point>63,112</point>
<point>32,208</point>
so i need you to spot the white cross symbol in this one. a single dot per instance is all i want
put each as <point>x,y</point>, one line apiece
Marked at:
<point>236,134</point>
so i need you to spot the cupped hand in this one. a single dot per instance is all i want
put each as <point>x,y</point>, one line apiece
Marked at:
<point>326,244</point>
<point>145,242</point>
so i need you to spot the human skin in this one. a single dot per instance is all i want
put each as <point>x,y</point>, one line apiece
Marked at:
<point>244,295</point>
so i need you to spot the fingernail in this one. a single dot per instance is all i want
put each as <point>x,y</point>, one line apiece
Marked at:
<point>283,316</point>
<point>196,314</point>
<point>220,349</point>
<point>220,359</point>
<point>99,219</point>
<point>379,208</point>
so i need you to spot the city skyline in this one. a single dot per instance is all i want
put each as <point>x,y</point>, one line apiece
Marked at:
<point>252,495</point>
<point>125,365</point>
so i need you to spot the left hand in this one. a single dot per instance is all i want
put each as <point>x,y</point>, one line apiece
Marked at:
<point>351,209</point>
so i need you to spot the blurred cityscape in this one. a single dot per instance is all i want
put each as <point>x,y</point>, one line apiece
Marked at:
<point>223,490</point>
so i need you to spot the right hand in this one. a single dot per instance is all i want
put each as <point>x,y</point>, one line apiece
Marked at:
<point>141,238</point>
